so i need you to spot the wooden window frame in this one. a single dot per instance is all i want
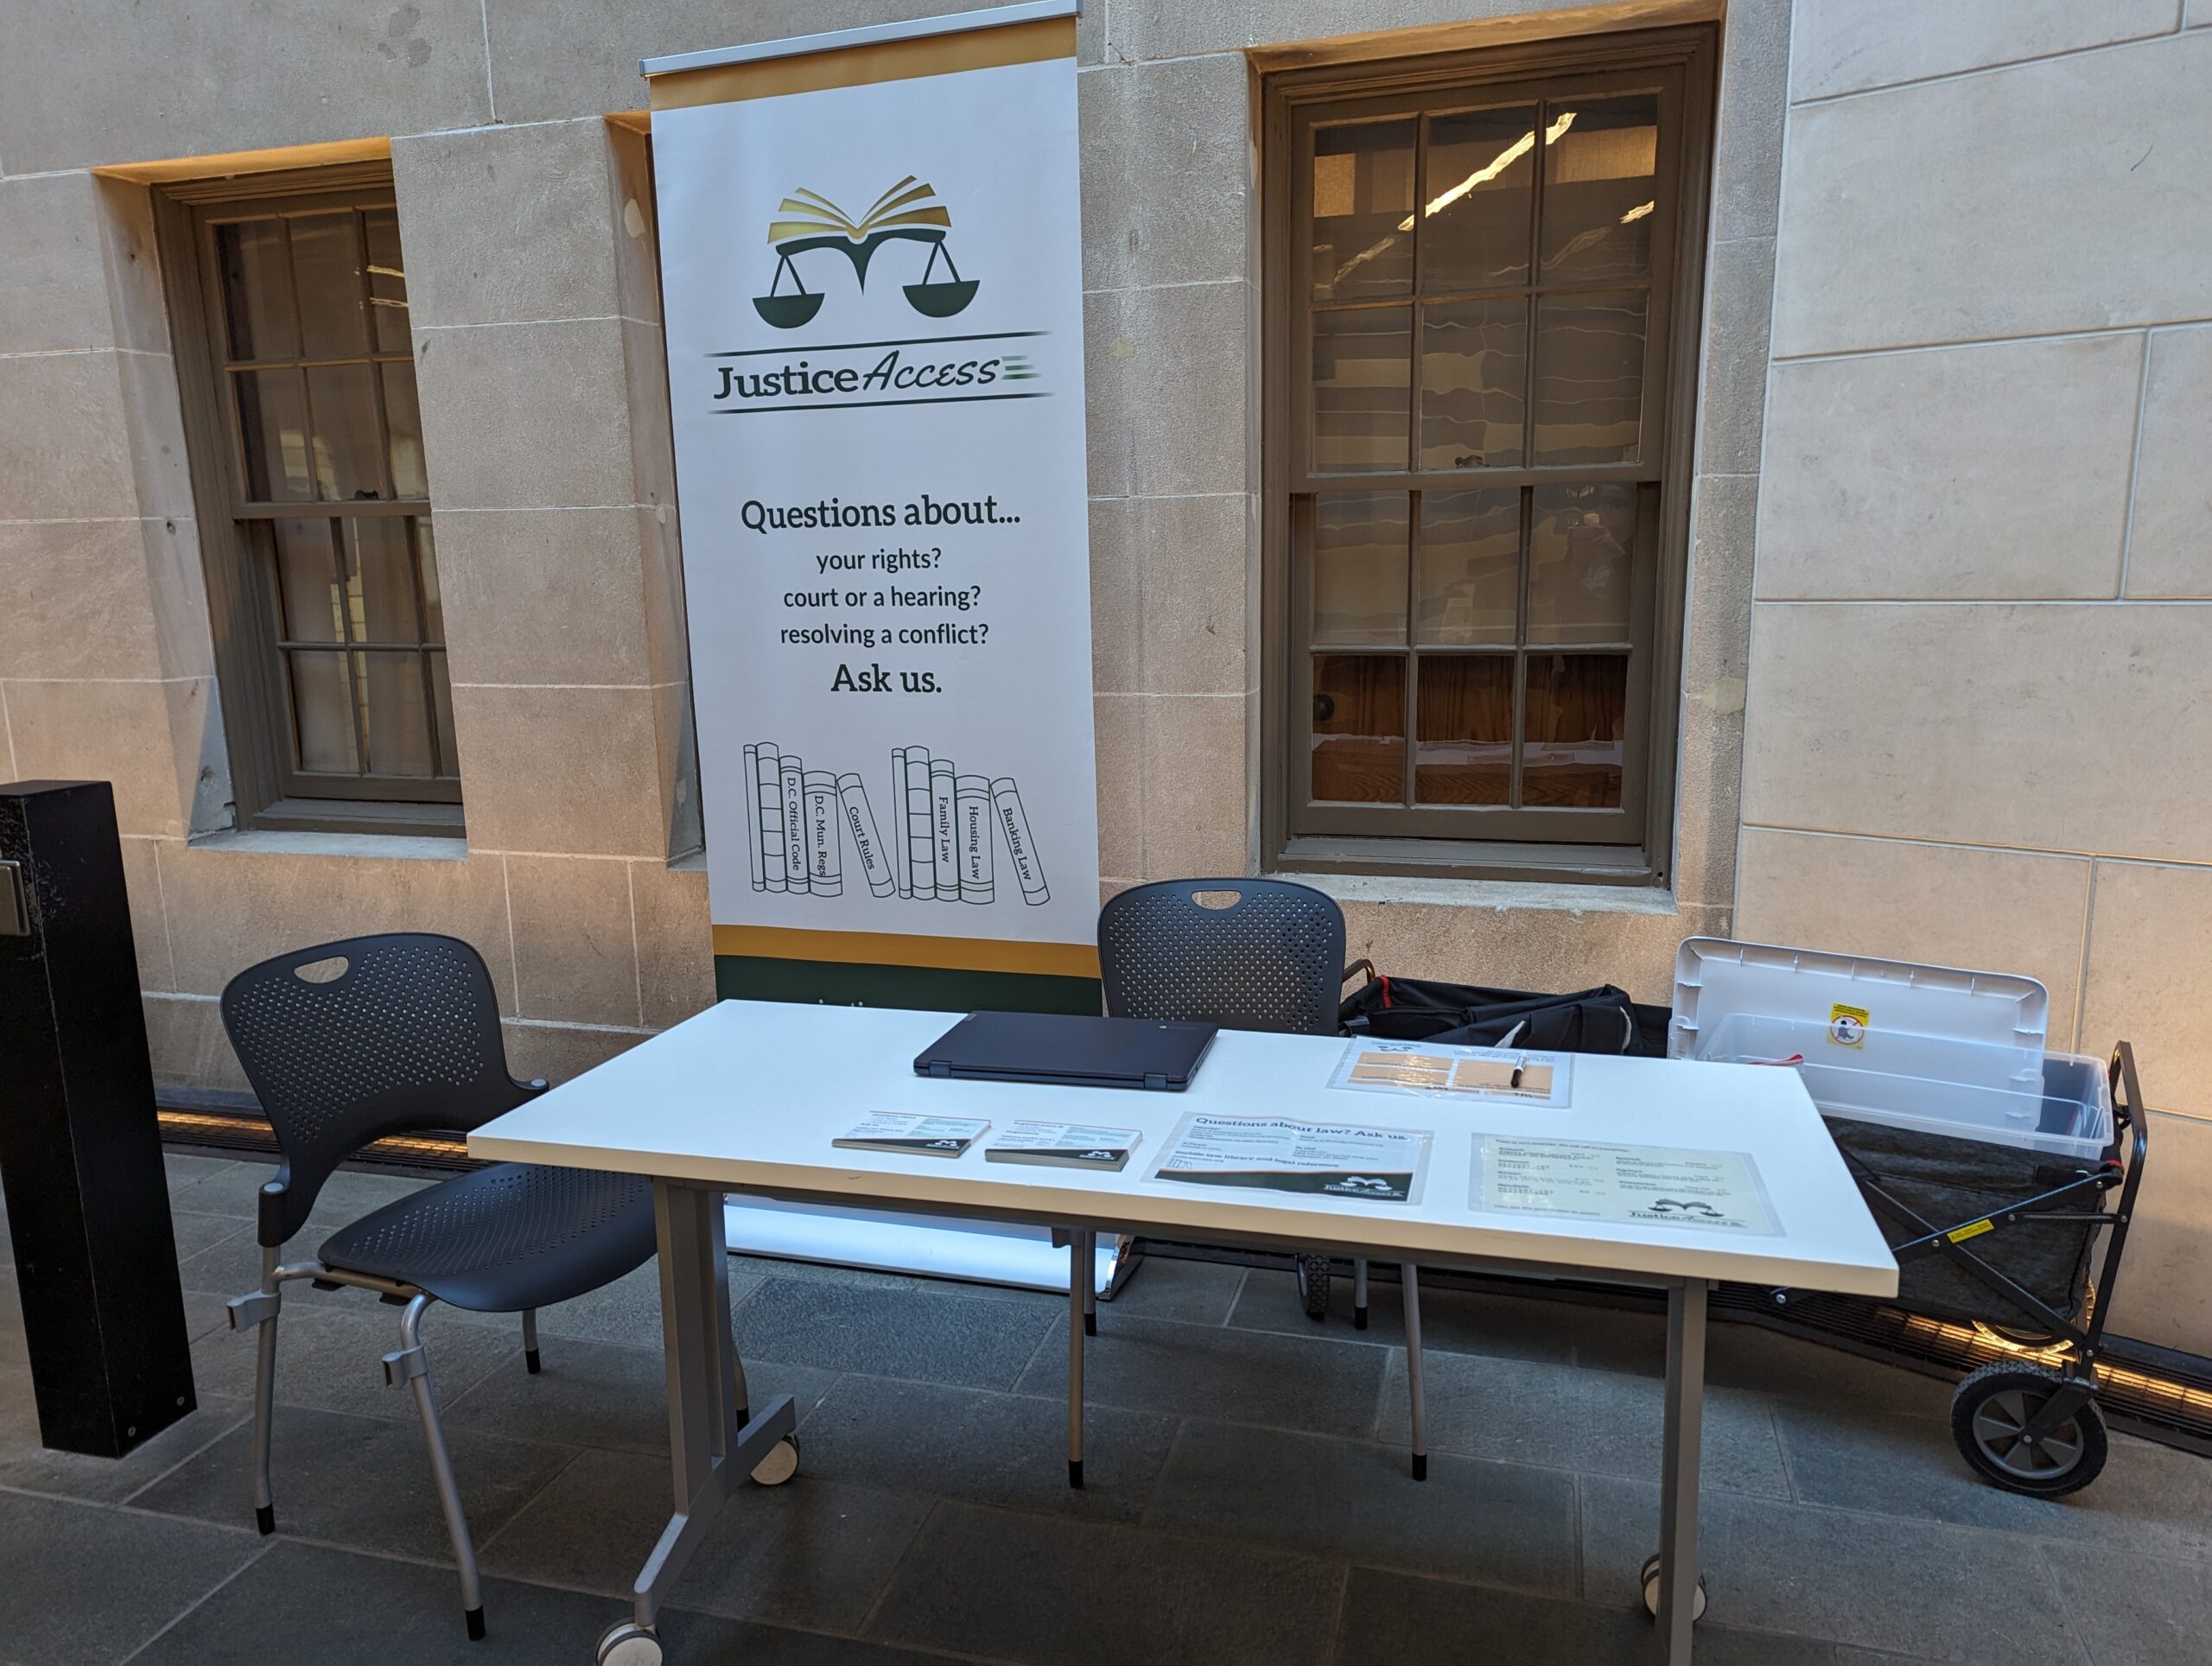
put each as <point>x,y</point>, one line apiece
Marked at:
<point>267,791</point>
<point>1423,840</point>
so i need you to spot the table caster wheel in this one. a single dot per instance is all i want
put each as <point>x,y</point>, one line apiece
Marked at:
<point>779,1466</point>
<point>628,1644</point>
<point>1650,1578</point>
<point>1314,1286</point>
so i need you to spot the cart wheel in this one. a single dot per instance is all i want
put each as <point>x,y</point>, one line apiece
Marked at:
<point>779,1466</point>
<point>1651,1580</point>
<point>1993,1406</point>
<point>1313,1285</point>
<point>625,1643</point>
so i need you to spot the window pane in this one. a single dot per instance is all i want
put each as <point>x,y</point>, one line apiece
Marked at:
<point>1474,368</point>
<point>343,399</point>
<point>1362,371</point>
<point>1589,378</point>
<point>272,434</point>
<point>381,596</point>
<point>322,713</point>
<point>1464,750</point>
<point>1470,568</point>
<point>434,616</point>
<point>1578,543</point>
<point>404,431</point>
<point>256,286</point>
<point>1475,227</point>
<point>1601,189</point>
<point>326,266</point>
<point>1359,566</point>
<point>387,281</point>
<point>1359,728</point>
<point>307,574</point>
<point>1363,210</point>
<point>441,694</point>
<point>1576,708</point>
<point>394,702</point>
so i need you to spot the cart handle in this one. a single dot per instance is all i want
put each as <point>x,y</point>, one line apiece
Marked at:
<point>2129,1112</point>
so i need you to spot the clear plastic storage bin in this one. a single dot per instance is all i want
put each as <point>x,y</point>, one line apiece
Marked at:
<point>2055,1103</point>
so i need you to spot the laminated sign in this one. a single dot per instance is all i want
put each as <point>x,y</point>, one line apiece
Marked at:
<point>871,268</point>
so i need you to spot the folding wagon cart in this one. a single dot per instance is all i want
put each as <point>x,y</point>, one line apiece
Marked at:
<point>1990,1166</point>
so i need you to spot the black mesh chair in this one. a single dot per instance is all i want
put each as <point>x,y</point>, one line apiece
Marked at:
<point>349,1042</point>
<point>1256,955</point>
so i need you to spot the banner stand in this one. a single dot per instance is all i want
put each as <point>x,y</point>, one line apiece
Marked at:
<point>871,271</point>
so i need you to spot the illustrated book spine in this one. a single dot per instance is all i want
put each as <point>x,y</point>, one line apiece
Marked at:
<point>769,830</point>
<point>902,859</point>
<point>752,816</point>
<point>944,822</point>
<point>824,868</point>
<point>867,844</point>
<point>792,788</point>
<point>973,808</point>
<point>921,838</point>
<point>1020,849</point>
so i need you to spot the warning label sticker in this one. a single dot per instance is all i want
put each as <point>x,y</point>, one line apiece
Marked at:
<point>1847,1025</point>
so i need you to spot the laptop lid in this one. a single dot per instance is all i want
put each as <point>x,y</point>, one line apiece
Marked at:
<point>1068,1050</point>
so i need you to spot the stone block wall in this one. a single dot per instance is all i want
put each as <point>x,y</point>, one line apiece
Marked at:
<point>534,295</point>
<point>1979,698</point>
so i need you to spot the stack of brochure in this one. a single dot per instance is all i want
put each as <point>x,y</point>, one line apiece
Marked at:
<point>1064,1145</point>
<point>914,1136</point>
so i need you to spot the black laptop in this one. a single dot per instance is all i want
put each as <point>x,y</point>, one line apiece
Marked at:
<point>1069,1051</point>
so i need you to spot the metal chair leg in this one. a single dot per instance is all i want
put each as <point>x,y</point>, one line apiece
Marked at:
<point>409,1365</point>
<point>1411,1275</point>
<point>264,1397</point>
<point>530,1340</point>
<point>1359,1292</point>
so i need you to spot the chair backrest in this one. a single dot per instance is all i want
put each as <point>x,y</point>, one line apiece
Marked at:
<point>404,1036</point>
<point>1271,959</point>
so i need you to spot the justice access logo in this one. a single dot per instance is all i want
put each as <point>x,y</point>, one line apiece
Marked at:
<point>806,221</point>
<point>808,228</point>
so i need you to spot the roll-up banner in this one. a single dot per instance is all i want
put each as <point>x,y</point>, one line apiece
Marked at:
<point>871,276</point>
<point>871,268</point>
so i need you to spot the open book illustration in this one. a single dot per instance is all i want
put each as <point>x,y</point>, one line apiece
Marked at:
<point>953,837</point>
<point>807,220</point>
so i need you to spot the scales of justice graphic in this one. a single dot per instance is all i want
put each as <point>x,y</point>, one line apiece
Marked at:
<point>807,220</point>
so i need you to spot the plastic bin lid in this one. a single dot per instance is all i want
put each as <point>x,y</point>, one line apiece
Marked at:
<point>1849,995</point>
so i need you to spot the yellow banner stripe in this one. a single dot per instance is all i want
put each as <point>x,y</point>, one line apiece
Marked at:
<point>867,66</point>
<point>896,948</point>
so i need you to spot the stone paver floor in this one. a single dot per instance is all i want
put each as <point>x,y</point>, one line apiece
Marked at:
<point>1248,1496</point>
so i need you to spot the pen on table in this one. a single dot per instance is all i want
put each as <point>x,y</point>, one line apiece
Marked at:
<point>1517,1069</point>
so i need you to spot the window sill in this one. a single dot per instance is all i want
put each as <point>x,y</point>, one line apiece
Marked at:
<point>272,841</point>
<point>1587,879</point>
<point>1575,867</point>
<point>1518,896</point>
<point>380,818</point>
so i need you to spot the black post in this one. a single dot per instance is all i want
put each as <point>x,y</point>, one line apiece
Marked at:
<point>80,1151</point>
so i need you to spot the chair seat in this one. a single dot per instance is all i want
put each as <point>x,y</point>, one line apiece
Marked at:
<point>504,1239</point>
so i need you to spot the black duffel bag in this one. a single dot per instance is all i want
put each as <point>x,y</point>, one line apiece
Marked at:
<point>1603,1020</point>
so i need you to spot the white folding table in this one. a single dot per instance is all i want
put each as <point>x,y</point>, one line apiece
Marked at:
<point>747,1095</point>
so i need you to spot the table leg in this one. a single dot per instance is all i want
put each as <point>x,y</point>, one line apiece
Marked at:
<point>1685,1418</point>
<point>1409,1275</point>
<point>1083,1259</point>
<point>713,1446</point>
